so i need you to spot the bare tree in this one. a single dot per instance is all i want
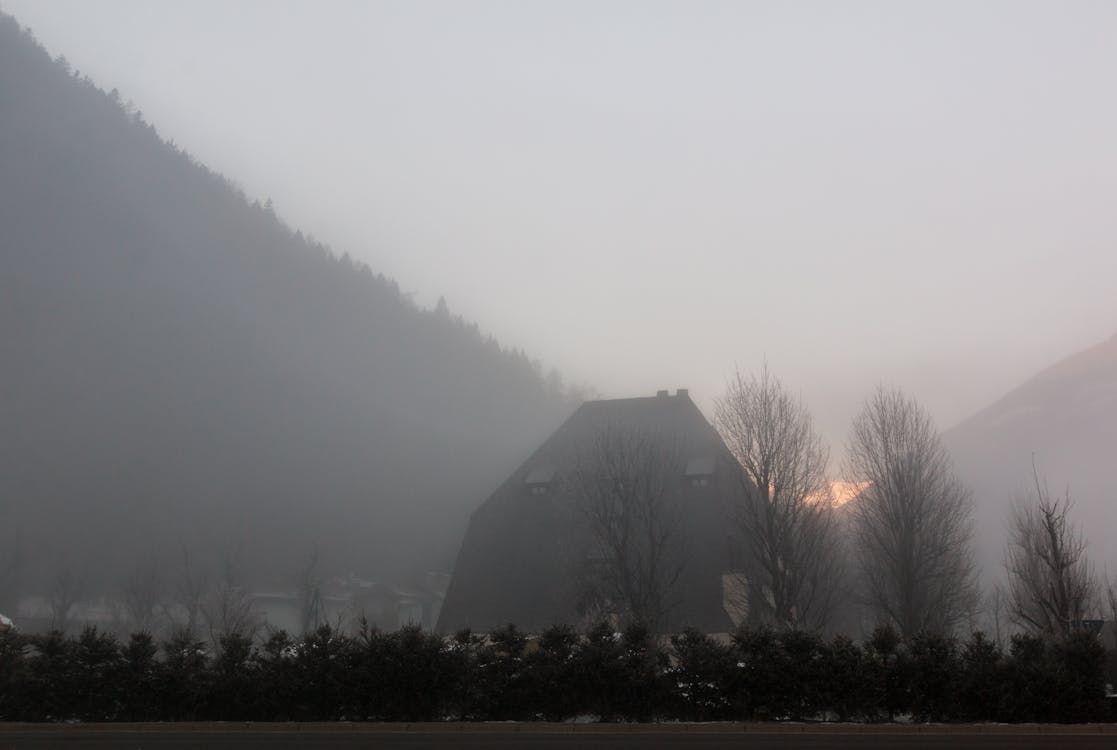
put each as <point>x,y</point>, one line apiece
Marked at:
<point>1111,605</point>
<point>912,521</point>
<point>628,496</point>
<point>310,595</point>
<point>228,609</point>
<point>11,573</point>
<point>184,609</point>
<point>1051,585</point>
<point>142,594</point>
<point>786,517</point>
<point>995,607</point>
<point>65,591</point>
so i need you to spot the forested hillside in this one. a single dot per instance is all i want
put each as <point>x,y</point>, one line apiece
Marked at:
<point>180,370</point>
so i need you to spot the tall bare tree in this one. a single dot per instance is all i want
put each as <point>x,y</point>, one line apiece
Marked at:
<point>996,604</point>
<point>627,488</point>
<point>311,613</point>
<point>786,519</point>
<point>142,594</point>
<point>1051,585</point>
<point>183,608</point>
<point>66,590</point>
<point>11,572</point>
<point>228,609</point>
<point>1111,607</point>
<point>912,531</point>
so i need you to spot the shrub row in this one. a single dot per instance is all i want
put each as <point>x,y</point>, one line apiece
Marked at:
<point>410,675</point>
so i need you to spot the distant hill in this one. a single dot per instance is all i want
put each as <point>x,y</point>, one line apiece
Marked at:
<point>180,369</point>
<point>1066,417</point>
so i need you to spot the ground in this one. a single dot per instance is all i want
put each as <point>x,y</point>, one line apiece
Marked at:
<point>514,735</point>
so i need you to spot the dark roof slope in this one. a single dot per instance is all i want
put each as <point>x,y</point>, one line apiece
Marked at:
<point>515,562</point>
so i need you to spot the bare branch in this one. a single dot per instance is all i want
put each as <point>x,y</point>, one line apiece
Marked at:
<point>628,497</point>
<point>1051,585</point>
<point>142,593</point>
<point>310,594</point>
<point>786,519</point>
<point>187,594</point>
<point>12,568</point>
<point>912,521</point>
<point>1111,604</point>
<point>228,609</point>
<point>65,591</point>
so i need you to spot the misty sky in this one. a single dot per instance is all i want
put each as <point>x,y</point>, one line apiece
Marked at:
<point>647,195</point>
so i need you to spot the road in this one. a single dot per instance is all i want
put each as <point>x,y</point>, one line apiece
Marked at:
<point>548,737</point>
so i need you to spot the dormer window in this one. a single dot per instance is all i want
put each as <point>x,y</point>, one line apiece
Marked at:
<point>699,470</point>
<point>539,479</point>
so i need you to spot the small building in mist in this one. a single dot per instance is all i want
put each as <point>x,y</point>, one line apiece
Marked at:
<point>529,548</point>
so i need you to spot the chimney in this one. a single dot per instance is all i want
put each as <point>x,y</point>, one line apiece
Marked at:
<point>683,393</point>
<point>661,394</point>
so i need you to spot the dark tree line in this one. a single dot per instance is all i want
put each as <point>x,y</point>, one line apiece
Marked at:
<point>411,675</point>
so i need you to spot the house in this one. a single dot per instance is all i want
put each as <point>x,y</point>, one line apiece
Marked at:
<point>529,548</point>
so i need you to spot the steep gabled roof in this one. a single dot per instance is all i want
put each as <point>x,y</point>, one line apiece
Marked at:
<point>515,564</point>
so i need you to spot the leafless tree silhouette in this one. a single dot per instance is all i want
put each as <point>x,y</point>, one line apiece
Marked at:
<point>627,488</point>
<point>912,531</point>
<point>11,571</point>
<point>142,594</point>
<point>1051,585</point>
<point>310,594</point>
<point>1111,606</point>
<point>228,609</point>
<point>65,591</point>
<point>183,608</point>
<point>786,521</point>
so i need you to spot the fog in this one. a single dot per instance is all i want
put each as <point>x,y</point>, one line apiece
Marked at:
<point>192,388</point>
<point>648,195</point>
<point>640,195</point>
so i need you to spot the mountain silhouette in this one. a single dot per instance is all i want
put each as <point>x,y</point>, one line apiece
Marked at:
<point>1065,420</point>
<point>181,373</point>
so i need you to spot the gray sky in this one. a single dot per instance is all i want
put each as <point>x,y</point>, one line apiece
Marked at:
<point>646,195</point>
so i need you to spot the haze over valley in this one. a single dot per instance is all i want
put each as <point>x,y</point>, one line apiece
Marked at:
<point>307,282</point>
<point>183,372</point>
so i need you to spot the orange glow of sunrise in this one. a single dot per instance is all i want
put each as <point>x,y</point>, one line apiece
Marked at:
<point>839,493</point>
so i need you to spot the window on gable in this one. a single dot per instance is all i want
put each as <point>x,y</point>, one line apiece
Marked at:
<point>539,479</point>
<point>699,470</point>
